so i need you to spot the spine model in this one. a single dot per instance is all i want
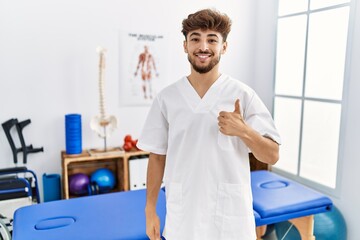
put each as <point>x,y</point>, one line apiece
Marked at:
<point>102,124</point>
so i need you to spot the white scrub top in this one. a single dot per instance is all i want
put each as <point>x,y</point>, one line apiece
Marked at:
<point>207,174</point>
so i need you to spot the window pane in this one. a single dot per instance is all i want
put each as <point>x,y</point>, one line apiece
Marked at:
<point>287,114</point>
<point>315,4</point>
<point>326,53</point>
<point>293,6</point>
<point>290,55</point>
<point>320,142</point>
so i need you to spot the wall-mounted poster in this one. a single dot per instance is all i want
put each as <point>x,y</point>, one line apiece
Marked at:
<point>142,67</point>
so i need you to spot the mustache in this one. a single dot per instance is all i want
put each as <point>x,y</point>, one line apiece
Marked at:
<point>204,52</point>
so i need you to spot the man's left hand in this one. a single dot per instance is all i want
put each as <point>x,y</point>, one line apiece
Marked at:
<point>231,123</point>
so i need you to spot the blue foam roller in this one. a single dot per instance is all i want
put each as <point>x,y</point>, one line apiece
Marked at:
<point>73,133</point>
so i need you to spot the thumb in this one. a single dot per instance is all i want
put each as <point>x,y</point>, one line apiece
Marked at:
<point>237,106</point>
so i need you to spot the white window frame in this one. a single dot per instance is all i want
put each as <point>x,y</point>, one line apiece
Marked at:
<point>340,159</point>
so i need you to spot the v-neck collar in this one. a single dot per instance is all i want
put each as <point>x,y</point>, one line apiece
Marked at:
<point>193,99</point>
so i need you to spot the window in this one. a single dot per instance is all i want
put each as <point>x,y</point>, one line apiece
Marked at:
<point>309,79</point>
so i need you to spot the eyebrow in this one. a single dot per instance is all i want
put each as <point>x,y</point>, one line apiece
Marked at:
<point>195,33</point>
<point>209,35</point>
<point>212,35</point>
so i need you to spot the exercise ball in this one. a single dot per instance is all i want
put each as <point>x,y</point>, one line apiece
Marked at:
<point>327,226</point>
<point>330,225</point>
<point>78,183</point>
<point>285,231</point>
<point>104,178</point>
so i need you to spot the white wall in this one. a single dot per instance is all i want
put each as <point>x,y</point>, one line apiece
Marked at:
<point>350,195</point>
<point>349,198</point>
<point>265,42</point>
<point>49,66</point>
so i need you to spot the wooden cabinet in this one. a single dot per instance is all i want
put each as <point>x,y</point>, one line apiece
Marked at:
<point>87,162</point>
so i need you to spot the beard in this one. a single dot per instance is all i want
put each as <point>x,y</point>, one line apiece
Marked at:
<point>204,69</point>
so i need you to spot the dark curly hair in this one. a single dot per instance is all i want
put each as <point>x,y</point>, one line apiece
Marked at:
<point>207,19</point>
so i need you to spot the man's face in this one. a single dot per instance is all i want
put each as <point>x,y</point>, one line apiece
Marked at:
<point>204,49</point>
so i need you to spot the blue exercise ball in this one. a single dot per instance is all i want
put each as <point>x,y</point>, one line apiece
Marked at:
<point>104,178</point>
<point>285,231</point>
<point>78,183</point>
<point>329,225</point>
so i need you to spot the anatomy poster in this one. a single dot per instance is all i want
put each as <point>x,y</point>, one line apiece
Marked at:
<point>142,59</point>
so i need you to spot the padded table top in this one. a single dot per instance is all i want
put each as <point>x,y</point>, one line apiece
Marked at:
<point>276,198</point>
<point>121,215</point>
<point>101,217</point>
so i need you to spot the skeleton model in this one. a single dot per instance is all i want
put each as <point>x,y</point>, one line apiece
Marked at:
<point>103,125</point>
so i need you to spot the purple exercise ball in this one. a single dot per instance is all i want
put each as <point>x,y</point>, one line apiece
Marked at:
<point>78,183</point>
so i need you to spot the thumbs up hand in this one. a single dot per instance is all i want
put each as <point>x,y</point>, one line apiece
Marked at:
<point>237,107</point>
<point>231,123</point>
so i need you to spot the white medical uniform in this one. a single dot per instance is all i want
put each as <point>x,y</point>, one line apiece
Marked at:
<point>207,174</point>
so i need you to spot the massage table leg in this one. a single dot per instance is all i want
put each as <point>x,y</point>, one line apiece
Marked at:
<point>260,231</point>
<point>305,226</point>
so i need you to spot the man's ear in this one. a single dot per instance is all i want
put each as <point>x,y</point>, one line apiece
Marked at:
<point>185,48</point>
<point>224,47</point>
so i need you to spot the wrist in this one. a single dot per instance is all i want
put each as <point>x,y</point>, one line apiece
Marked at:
<point>244,132</point>
<point>150,209</point>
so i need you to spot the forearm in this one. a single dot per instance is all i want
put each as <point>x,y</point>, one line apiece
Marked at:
<point>155,173</point>
<point>264,149</point>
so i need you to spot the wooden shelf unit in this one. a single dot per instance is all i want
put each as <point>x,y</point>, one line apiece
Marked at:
<point>86,163</point>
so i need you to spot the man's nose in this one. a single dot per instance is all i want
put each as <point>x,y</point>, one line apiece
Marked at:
<point>203,45</point>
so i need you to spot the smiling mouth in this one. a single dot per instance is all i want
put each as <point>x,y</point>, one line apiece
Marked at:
<point>203,56</point>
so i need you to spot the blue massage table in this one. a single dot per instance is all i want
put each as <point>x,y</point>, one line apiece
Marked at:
<point>121,215</point>
<point>277,199</point>
<point>100,217</point>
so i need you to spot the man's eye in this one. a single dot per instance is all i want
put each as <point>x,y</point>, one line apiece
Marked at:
<point>212,41</point>
<point>194,40</point>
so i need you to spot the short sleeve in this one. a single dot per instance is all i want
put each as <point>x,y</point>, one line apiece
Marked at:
<point>154,135</point>
<point>258,117</point>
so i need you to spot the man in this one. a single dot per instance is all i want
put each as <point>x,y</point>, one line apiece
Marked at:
<point>199,131</point>
<point>147,64</point>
